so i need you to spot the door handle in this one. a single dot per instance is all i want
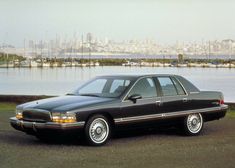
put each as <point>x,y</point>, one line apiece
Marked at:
<point>185,100</point>
<point>158,102</point>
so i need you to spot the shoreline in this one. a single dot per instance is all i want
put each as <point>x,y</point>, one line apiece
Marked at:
<point>39,62</point>
<point>157,64</point>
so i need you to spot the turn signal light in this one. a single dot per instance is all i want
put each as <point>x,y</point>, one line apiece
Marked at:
<point>63,117</point>
<point>221,102</point>
<point>64,120</point>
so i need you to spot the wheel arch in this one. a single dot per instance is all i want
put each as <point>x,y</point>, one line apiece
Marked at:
<point>105,114</point>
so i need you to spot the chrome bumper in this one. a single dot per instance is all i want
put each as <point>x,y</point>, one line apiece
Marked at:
<point>36,126</point>
<point>224,107</point>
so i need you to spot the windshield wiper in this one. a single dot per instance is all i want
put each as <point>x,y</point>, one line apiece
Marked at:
<point>94,95</point>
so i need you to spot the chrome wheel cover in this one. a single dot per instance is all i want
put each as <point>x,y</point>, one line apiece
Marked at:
<point>194,123</point>
<point>99,130</point>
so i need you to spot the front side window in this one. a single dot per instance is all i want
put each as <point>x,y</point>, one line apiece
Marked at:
<point>168,88</point>
<point>145,88</point>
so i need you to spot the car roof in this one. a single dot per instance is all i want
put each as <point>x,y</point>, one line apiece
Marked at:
<point>189,87</point>
<point>136,75</point>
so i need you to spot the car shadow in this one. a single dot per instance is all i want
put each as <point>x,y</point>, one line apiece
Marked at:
<point>19,138</point>
<point>146,131</point>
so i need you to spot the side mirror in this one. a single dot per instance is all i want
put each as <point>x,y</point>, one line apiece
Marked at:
<point>134,97</point>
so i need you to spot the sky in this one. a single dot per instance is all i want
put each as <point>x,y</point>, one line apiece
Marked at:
<point>165,21</point>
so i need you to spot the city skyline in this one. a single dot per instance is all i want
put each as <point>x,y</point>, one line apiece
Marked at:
<point>163,21</point>
<point>90,44</point>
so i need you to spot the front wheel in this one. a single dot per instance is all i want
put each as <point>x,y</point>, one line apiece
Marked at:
<point>193,124</point>
<point>97,130</point>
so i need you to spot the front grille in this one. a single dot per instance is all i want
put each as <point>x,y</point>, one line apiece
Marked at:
<point>36,115</point>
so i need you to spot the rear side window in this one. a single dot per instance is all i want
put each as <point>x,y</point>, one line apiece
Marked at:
<point>168,88</point>
<point>179,88</point>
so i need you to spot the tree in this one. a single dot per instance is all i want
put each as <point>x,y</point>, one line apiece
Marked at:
<point>180,58</point>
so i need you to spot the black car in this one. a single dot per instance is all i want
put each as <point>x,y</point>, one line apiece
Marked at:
<point>107,103</point>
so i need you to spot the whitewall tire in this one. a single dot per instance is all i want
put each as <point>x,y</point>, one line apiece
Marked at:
<point>97,130</point>
<point>193,124</point>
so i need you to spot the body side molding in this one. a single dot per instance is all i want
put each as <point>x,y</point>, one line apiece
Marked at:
<point>169,115</point>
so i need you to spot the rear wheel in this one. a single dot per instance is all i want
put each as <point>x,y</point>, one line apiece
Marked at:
<point>193,124</point>
<point>97,130</point>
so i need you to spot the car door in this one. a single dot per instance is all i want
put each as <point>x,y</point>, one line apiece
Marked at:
<point>173,96</point>
<point>146,105</point>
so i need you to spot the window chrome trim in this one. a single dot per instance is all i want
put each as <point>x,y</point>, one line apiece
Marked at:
<point>152,76</point>
<point>170,77</point>
<point>194,92</point>
<point>185,91</point>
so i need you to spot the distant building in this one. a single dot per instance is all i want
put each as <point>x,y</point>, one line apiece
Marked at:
<point>89,38</point>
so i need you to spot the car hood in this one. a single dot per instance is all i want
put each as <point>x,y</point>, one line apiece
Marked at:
<point>64,103</point>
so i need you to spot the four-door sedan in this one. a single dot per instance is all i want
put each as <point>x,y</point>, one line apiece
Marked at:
<point>107,103</point>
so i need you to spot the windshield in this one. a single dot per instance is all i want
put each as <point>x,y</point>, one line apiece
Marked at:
<point>104,87</point>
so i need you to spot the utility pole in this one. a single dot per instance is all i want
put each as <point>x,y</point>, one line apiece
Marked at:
<point>7,51</point>
<point>230,53</point>
<point>7,58</point>
<point>89,51</point>
<point>82,48</point>
<point>209,51</point>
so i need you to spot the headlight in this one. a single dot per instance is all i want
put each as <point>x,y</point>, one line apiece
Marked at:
<point>63,117</point>
<point>19,114</point>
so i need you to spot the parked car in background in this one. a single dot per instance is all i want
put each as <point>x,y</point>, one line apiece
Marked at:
<point>107,103</point>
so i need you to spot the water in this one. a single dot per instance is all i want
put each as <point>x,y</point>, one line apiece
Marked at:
<point>59,81</point>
